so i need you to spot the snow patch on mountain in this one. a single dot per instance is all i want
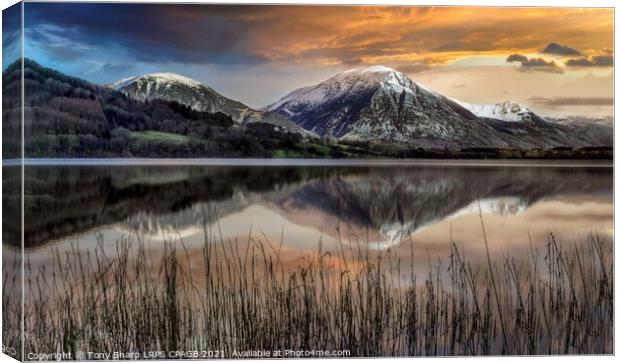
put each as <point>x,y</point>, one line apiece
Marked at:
<point>159,78</point>
<point>506,111</point>
<point>350,81</point>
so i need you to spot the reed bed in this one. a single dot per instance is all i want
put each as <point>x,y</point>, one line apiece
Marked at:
<point>557,301</point>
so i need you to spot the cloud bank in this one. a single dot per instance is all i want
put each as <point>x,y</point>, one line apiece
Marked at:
<point>534,64</point>
<point>593,61</point>
<point>557,49</point>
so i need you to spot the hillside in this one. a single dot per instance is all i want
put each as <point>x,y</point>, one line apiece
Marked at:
<point>69,117</point>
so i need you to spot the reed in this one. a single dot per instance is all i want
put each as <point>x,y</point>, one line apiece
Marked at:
<point>245,297</point>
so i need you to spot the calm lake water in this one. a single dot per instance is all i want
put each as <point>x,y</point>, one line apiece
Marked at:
<point>301,208</point>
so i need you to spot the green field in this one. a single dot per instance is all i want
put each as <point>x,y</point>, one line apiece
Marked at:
<point>159,137</point>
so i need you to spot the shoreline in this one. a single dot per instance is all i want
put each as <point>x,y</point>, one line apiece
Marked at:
<point>567,163</point>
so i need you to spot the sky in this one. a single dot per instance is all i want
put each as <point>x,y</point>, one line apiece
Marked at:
<point>557,61</point>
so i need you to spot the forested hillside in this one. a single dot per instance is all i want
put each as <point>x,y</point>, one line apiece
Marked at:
<point>70,117</point>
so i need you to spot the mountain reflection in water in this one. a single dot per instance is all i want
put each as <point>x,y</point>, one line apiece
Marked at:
<point>380,205</point>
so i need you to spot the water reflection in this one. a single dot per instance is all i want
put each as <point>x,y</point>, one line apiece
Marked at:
<point>381,206</point>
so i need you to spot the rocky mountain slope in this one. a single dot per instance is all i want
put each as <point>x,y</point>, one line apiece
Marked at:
<point>523,128</point>
<point>599,131</point>
<point>381,104</point>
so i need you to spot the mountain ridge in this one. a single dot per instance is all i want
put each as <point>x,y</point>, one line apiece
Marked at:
<point>170,86</point>
<point>71,117</point>
<point>380,103</point>
<point>510,111</point>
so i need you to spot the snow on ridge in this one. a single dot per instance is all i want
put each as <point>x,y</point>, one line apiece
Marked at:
<point>174,77</point>
<point>157,77</point>
<point>389,75</point>
<point>344,82</point>
<point>122,83</point>
<point>506,111</point>
<point>371,69</point>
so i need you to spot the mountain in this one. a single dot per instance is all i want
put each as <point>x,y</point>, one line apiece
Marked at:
<point>174,87</point>
<point>523,128</point>
<point>198,96</point>
<point>599,131</point>
<point>379,103</point>
<point>506,111</point>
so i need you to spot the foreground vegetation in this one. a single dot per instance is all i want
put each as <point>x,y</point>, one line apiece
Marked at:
<point>559,301</point>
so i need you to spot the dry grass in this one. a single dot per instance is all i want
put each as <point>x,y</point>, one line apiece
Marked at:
<point>558,301</point>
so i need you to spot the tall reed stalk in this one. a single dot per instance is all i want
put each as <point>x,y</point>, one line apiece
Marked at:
<point>243,295</point>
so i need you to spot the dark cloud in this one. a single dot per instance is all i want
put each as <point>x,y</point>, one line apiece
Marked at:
<point>579,62</point>
<point>11,34</point>
<point>516,58</point>
<point>242,35</point>
<point>150,32</point>
<point>594,61</point>
<point>573,101</point>
<point>538,63</point>
<point>534,64</point>
<point>557,49</point>
<point>11,20</point>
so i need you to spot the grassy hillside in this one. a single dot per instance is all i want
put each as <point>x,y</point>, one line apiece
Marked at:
<point>159,137</point>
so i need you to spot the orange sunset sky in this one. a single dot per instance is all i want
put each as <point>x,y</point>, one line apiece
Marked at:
<point>558,61</point>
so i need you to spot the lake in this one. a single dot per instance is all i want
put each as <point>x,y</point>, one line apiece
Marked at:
<point>417,215</point>
<point>382,206</point>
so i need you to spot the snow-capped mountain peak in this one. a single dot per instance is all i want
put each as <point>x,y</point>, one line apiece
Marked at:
<point>158,77</point>
<point>198,96</point>
<point>353,81</point>
<point>371,69</point>
<point>122,83</point>
<point>175,87</point>
<point>380,103</point>
<point>505,111</point>
<point>367,76</point>
<point>173,77</point>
